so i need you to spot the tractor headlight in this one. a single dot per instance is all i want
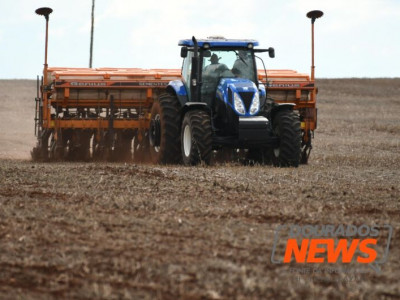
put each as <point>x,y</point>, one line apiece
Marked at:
<point>238,104</point>
<point>255,105</point>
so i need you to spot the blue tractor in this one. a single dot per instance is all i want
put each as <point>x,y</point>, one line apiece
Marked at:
<point>220,104</point>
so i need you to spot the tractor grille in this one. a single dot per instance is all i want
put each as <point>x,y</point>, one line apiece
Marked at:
<point>247,97</point>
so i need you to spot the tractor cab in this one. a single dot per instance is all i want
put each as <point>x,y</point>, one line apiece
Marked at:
<point>208,61</point>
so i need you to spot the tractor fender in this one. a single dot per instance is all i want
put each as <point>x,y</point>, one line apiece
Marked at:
<point>177,88</point>
<point>280,107</point>
<point>277,107</point>
<point>284,106</point>
<point>194,105</point>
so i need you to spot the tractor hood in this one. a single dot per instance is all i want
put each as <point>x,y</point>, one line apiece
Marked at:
<point>242,95</point>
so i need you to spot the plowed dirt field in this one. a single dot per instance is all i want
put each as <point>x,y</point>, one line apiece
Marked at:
<point>132,231</point>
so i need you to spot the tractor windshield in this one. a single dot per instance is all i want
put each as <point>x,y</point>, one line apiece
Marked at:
<point>229,63</point>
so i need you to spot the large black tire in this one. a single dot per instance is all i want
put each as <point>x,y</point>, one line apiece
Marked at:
<point>286,126</point>
<point>164,133</point>
<point>196,138</point>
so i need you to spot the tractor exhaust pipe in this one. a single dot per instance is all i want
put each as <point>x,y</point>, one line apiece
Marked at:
<point>194,77</point>
<point>313,15</point>
<point>45,11</point>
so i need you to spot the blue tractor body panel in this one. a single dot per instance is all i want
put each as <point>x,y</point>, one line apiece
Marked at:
<point>244,89</point>
<point>179,89</point>
<point>239,86</point>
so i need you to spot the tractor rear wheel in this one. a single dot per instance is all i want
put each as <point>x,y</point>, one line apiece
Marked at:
<point>196,138</point>
<point>286,126</point>
<point>164,130</point>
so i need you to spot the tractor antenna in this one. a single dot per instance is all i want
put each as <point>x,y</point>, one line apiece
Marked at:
<point>45,11</point>
<point>313,15</point>
<point>91,37</point>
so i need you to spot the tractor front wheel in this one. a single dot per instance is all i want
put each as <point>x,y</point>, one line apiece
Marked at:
<point>196,138</point>
<point>286,126</point>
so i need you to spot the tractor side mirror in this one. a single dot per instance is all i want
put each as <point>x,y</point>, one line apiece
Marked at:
<point>271,52</point>
<point>184,51</point>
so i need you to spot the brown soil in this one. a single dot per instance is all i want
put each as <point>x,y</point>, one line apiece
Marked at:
<point>123,230</point>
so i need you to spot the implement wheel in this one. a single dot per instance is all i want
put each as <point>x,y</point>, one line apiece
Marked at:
<point>164,132</point>
<point>286,125</point>
<point>196,138</point>
<point>140,148</point>
<point>123,145</point>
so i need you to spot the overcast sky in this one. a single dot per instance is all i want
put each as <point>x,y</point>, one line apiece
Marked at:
<point>355,38</point>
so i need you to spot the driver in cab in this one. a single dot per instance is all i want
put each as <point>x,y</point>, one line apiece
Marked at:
<point>215,67</point>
